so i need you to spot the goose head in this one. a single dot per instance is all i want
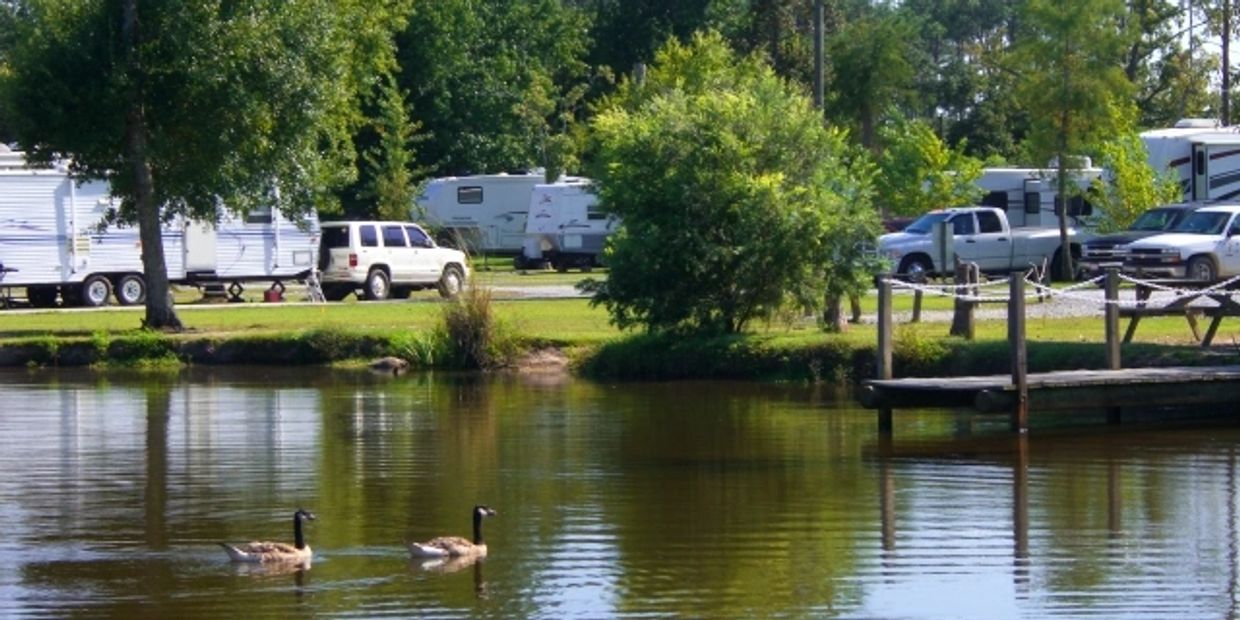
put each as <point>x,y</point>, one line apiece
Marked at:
<point>302,513</point>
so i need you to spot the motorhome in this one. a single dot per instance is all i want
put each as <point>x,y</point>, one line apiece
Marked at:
<point>54,243</point>
<point>1204,157</point>
<point>565,229</point>
<point>1029,196</point>
<point>479,213</point>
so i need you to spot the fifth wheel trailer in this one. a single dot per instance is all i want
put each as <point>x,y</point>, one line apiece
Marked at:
<point>1204,157</point>
<point>53,243</point>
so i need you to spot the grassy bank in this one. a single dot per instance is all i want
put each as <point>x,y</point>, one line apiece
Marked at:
<point>794,349</point>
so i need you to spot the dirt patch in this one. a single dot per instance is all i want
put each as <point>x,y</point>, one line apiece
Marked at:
<point>543,361</point>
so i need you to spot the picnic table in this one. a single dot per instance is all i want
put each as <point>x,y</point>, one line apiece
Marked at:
<point>1181,306</point>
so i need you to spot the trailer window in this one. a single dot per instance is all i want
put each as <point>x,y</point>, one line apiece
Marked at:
<point>595,214</point>
<point>1033,203</point>
<point>998,200</point>
<point>368,236</point>
<point>469,195</point>
<point>394,237</point>
<point>261,215</point>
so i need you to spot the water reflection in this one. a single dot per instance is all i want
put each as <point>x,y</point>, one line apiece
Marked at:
<point>700,499</point>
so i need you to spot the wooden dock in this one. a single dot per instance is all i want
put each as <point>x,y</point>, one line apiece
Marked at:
<point>1019,392</point>
<point>1061,390</point>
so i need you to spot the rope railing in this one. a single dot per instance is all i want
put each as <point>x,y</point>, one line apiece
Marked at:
<point>1038,290</point>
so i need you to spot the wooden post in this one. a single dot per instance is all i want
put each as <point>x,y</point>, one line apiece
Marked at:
<point>916,306</point>
<point>1111,313</point>
<point>962,318</point>
<point>1016,340</point>
<point>883,369</point>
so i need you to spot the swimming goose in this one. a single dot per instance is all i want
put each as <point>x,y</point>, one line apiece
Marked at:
<point>455,546</point>
<point>267,552</point>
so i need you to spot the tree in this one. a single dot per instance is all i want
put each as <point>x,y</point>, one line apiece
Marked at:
<point>919,172</point>
<point>486,78</point>
<point>1070,55</point>
<point>734,196</point>
<point>871,73</point>
<point>388,177</point>
<point>186,108</point>
<point>1134,186</point>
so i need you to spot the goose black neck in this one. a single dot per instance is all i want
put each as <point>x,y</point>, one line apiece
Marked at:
<point>477,527</point>
<point>299,539</point>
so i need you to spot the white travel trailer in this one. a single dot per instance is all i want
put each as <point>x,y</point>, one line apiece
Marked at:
<point>52,243</point>
<point>1204,157</point>
<point>1028,196</point>
<point>565,227</point>
<point>482,212</point>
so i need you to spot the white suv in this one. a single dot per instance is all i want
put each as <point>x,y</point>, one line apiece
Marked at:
<point>386,259</point>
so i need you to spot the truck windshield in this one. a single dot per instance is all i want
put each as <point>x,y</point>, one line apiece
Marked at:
<point>925,223</point>
<point>1204,223</point>
<point>1155,220</point>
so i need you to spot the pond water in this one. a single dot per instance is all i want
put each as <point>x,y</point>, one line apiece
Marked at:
<point>707,500</point>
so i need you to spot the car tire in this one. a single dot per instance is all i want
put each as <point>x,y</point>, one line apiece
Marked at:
<point>915,268</point>
<point>451,282</point>
<point>95,291</point>
<point>130,290</point>
<point>378,285</point>
<point>1202,269</point>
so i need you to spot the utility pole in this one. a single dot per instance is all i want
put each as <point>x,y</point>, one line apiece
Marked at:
<point>1226,107</point>
<point>818,52</point>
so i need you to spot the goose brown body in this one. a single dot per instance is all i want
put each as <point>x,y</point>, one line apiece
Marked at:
<point>264,552</point>
<point>455,546</point>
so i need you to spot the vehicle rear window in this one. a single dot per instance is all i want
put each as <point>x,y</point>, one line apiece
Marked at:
<point>335,237</point>
<point>394,237</point>
<point>369,236</point>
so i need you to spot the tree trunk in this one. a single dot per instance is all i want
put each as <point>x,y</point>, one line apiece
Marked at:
<point>1225,109</point>
<point>159,311</point>
<point>833,318</point>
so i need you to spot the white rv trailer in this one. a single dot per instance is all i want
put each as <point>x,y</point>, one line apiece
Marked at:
<point>482,212</point>
<point>1204,157</point>
<point>565,227</point>
<point>1028,196</point>
<point>52,243</point>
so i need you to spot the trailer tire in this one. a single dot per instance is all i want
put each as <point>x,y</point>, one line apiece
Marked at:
<point>95,291</point>
<point>378,285</point>
<point>130,290</point>
<point>451,282</point>
<point>41,296</point>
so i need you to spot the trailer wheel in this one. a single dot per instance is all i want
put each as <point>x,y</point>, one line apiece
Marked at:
<point>95,291</point>
<point>130,290</point>
<point>41,296</point>
<point>451,283</point>
<point>378,285</point>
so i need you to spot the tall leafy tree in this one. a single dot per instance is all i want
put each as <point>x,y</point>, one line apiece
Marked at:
<point>626,32</point>
<point>1133,186</point>
<point>388,176</point>
<point>1170,84</point>
<point>735,198</point>
<point>919,172</point>
<point>486,78</point>
<point>872,73</point>
<point>1069,55</point>
<point>187,106</point>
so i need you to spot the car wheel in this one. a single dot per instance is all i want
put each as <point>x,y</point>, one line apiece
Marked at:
<point>451,282</point>
<point>95,291</point>
<point>131,290</point>
<point>915,268</point>
<point>378,286</point>
<point>1202,269</point>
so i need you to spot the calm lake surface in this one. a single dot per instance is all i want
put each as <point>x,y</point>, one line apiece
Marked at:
<point>703,500</point>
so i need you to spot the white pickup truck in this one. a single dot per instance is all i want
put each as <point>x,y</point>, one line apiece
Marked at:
<point>980,235</point>
<point>1205,246</point>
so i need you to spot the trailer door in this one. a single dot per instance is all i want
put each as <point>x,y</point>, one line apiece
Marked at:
<point>200,247</point>
<point>1201,172</point>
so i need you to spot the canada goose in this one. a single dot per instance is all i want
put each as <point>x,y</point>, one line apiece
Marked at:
<point>266,552</point>
<point>455,546</point>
